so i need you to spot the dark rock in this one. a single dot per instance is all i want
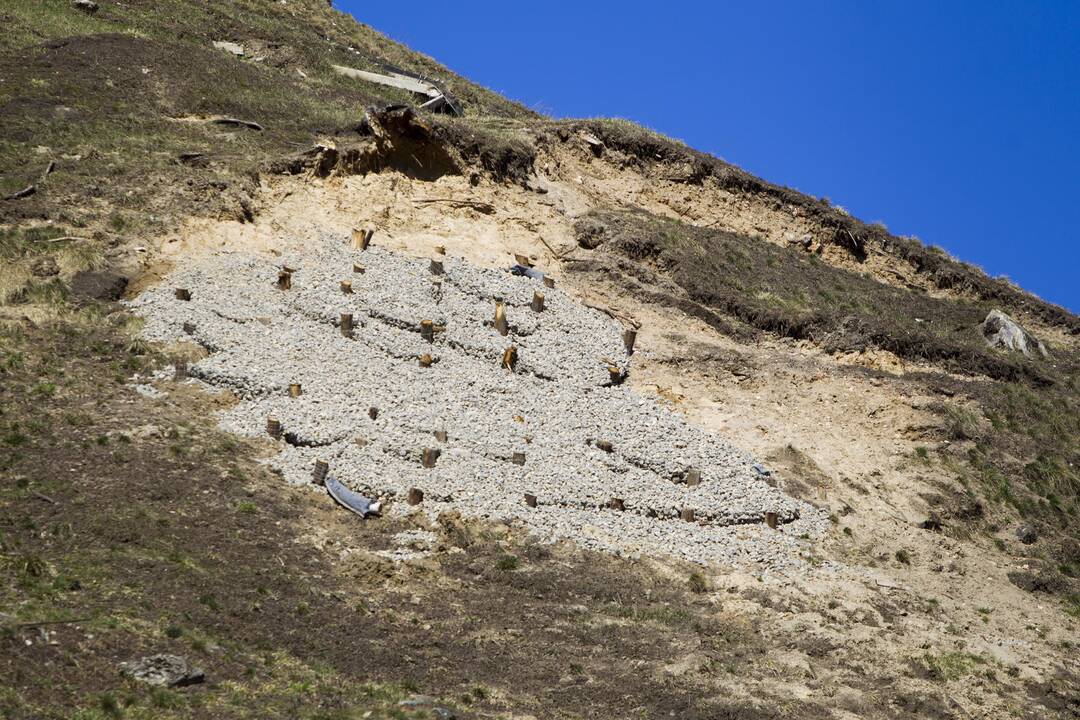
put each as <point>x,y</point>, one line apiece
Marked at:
<point>1026,534</point>
<point>589,233</point>
<point>45,267</point>
<point>98,285</point>
<point>932,522</point>
<point>163,670</point>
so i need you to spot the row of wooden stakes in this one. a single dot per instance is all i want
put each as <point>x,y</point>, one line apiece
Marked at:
<point>416,495</point>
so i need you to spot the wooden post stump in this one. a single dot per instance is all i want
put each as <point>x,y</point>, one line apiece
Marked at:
<point>426,360</point>
<point>429,456</point>
<point>510,357</point>
<point>347,325</point>
<point>189,328</point>
<point>604,445</point>
<point>518,458</point>
<point>501,326</point>
<point>416,496</point>
<point>549,281</point>
<point>273,428</point>
<point>295,390</point>
<point>361,238</point>
<point>522,260</point>
<point>437,267</point>
<point>687,514</point>
<point>692,477</point>
<point>771,519</point>
<point>373,412</point>
<point>615,374</point>
<point>180,370</point>
<point>184,294</point>
<point>530,500</point>
<point>318,476</point>
<point>628,339</point>
<point>617,504</point>
<point>346,287</point>
<point>427,330</point>
<point>538,301</point>
<point>441,435</point>
<point>284,280</point>
<point>440,249</point>
<point>357,268</point>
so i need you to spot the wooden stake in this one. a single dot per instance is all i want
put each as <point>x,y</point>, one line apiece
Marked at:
<point>416,496</point>
<point>771,519</point>
<point>346,287</point>
<point>522,260</point>
<point>440,249</point>
<point>441,435</point>
<point>617,504</point>
<point>687,514</point>
<point>295,390</point>
<point>346,325</point>
<point>530,500</point>
<point>692,477</point>
<point>500,319</point>
<point>426,360</point>
<point>185,294</point>
<point>518,458</point>
<point>509,357</point>
<point>538,301</point>
<point>273,428</point>
<point>373,412</point>
<point>429,456</point>
<point>549,281</point>
<point>628,339</point>
<point>180,370</point>
<point>437,267</point>
<point>427,330</point>
<point>362,238</point>
<point>189,328</point>
<point>318,476</point>
<point>284,280</point>
<point>357,268</point>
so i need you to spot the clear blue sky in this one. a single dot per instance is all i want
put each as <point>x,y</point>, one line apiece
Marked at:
<point>955,122</point>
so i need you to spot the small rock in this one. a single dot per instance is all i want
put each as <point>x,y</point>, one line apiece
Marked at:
<point>163,670</point>
<point>102,285</point>
<point>87,6</point>
<point>1026,534</point>
<point>45,267</point>
<point>1000,330</point>
<point>230,47</point>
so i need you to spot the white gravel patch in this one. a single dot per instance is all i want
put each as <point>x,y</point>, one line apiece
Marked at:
<point>553,407</point>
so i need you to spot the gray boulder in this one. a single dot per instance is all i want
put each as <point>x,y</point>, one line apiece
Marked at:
<point>1000,330</point>
<point>163,670</point>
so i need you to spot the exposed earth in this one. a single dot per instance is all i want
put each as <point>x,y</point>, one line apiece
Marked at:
<point>143,515</point>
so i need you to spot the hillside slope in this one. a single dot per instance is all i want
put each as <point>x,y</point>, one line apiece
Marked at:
<point>849,362</point>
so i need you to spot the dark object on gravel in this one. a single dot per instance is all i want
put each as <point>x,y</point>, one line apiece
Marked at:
<point>87,6</point>
<point>103,285</point>
<point>163,670</point>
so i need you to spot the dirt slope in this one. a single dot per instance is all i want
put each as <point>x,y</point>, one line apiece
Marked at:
<point>947,589</point>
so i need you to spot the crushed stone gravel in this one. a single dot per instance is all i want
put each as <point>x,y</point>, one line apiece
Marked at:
<point>560,425</point>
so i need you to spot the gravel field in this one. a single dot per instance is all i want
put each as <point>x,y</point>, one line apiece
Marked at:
<point>559,426</point>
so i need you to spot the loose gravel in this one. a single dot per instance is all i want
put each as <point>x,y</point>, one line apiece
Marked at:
<point>585,437</point>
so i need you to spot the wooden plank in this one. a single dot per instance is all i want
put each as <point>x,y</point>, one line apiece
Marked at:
<point>403,82</point>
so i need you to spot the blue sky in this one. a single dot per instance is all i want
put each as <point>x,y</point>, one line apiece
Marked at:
<point>958,123</point>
